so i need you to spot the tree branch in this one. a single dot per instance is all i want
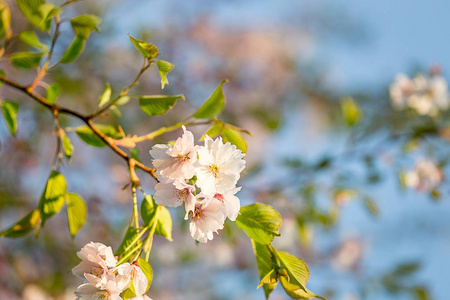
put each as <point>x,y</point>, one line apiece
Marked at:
<point>56,109</point>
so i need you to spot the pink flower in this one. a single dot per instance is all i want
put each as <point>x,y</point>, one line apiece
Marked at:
<point>230,202</point>
<point>135,274</point>
<point>176,162</point>
<point>108,286</point>
<point>219,166</point>
<point>174,193</point>
<point>208,217</point>
<point>96,258</point>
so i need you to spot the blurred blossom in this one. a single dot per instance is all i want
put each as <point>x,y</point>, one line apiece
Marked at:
<point>426,95</point>
<point>425,176</point>
<point>348,255</point>
<point>34,292</point>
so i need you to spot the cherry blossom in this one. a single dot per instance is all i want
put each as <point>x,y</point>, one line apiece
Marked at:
<point>400,90</point>
<point>219,166</point>
<point>108,286</point>
<point>96,258</point>
<point>176,162</point>
<point>230,201</point>
<point>425,176</point>
<point>175,193</point>
<point>208,217</point>
<point>134,273</point>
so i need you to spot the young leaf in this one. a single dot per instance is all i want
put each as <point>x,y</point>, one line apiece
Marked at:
<point>24,226</point>
<point>297,270</point>
<point>164,225</point>
<point>164,67</point>
<point>67,146</point>
<point>261,222</point>
<point>351,111</point>
<point>53,197</point>
<point>30,9</point>
<point>10,110</point>
<point>148,50</point>
<point>233,136</point>
<point>104,98</point>
<point>215,130</point>
<point>73,51</point>
<point>148,210</point>
<point>147,269</point>
<point>214,105</point>
<point>90,138</point>
<point>48,11</point>
<point>5,20</point>
<point>76,213</point>
<point>26,60</point>
<point>158,104</point>
<point>266,264</point>
<point>298,293</point>
<point>83,25</point>
<point>29,37</point>
<point>128,239</point>
<point>52,93</point>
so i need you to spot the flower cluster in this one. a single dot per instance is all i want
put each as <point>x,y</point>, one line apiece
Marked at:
<point>425,176</point>
<point>426,95</point>
<point>203,178</point>
<point>103,279</point>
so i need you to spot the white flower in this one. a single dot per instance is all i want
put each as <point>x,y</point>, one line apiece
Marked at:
<point>400,90</point>
<point>174,193</point>
<point>136,275</point>
<point>208,217</point>
<point>176,162</point>
<point>108,286</point>
<point>219,166</point>
<point>230,202</point>
<point>425,176</point>
<point>96,260</point>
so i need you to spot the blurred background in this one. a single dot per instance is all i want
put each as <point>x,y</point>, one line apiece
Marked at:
<point>290,64</point>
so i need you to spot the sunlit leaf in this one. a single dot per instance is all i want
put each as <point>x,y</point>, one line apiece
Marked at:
<point>24,226</point>
<point>76,213</point>
<point>53,93</point>
<point>233,136</point>
<point>26,60</point>
<point>164,67</point>
<point>214,105</point>
<point>164,225</point>
<point>266,264</point>
<point>351,111</point>
<point>53,196</point>
<point>297,293</point>
<point>129,238</point>
<point>104,98</point>
<point>5,20</point>
<point>261,222</point>
<point>215,130</point>
<point>89,137</point>
<point>147,269</point>
<point>148,210</point>
<point>83,25</point>
<point>158,104</point>
<point>148,50</point>
<point>67,146</point>
<point>10,110</point>
<point>30,9</point>
<point>49,10</point>
<point>297,271</point>
<point>29,37</point>
<point>73,51</point>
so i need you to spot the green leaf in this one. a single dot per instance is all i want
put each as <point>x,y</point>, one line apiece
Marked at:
<point>48,10</point>
<point>104,98</point>
<point>29,37</point>
<point>26,60</point>
<point>148,210</point>
<point>148,50</point>
<point>164,67</point>
<point>24,226</point>
<point>261,222</point>
<point>52,93</point>
<point>233,136</point>
<point>89,137</point>
<point>128,239</point>
<point>10,110</point>
<point>351,111</point>
<point>215,130</point>
<point>31,10</point>
<point>214,105</point>
<point>73,51</point>
<point>298,293</point>
<point>297,270</point>
<point>53,197</point>
<point>76,213</point>
<point>5,20</point>
<point>266,264</point>
<point>147,269</point>
<point>67,146</point>
<point>164,225</point>
<point>156,105</point>
<point>83,25</point>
